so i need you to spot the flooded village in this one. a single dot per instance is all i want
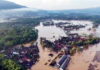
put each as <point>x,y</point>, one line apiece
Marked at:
<point>49,34</point>
<point>67,45</point>
<point>61,45</point>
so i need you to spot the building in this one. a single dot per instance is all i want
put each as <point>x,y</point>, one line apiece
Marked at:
<point>65,63</point>
<point>63,58</point>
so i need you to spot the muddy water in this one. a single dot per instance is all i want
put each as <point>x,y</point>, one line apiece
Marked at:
<point>50,32</point>
<point>80,61</point>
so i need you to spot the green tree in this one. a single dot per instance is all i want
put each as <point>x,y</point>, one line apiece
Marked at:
<point>11,65</point>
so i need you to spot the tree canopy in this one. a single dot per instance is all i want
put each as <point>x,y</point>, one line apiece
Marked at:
<point>16,36</point>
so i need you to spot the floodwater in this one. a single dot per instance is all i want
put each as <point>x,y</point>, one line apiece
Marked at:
<point>50,32</point>
<point>80,61</point>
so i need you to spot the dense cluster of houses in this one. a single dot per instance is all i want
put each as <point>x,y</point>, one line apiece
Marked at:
<point>61,42</point>
<point>71,27</point>
<point>61,24</point>
<point>51,23</point>
<point>71,40</point>
<point>26,56</point>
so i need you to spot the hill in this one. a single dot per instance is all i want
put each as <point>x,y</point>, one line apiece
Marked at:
<point>8,5</point>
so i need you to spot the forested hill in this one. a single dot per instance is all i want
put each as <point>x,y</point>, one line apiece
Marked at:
<point>9,5</point>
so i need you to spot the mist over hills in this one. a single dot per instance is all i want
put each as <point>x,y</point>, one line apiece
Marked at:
<point>12,10</point>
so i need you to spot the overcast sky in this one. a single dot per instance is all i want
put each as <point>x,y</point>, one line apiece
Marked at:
<point>58,4</point>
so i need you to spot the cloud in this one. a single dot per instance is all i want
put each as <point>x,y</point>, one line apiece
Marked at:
<point>58,4</point>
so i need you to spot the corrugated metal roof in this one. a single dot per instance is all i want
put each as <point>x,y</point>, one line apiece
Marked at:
<point>63,58</point>
<point>65,64</point>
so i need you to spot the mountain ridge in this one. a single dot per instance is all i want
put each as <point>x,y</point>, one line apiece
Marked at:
<point>4,5</point>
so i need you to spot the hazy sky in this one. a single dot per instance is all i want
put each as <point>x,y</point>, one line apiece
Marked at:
<point>58,4</point>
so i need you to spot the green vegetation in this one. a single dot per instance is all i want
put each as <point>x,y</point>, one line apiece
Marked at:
<point>86,42</point>
<point>8,64</point>
<point>79,46</point>
<point>11,65</point>
<point>18,31</point>
<point>2,56</point>
<point>14,33</point>
<point>14,36</point>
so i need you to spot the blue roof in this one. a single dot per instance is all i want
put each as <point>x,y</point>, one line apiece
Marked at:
<point>63,58</point>
<point>65,64</point>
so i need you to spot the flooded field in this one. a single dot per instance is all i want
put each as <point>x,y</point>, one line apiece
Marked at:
<point>80,61</point>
